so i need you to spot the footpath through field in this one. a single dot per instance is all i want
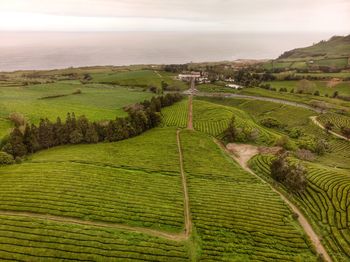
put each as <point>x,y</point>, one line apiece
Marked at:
<point>316,122</point>
<point>242,154</point>
<point>147,231</point>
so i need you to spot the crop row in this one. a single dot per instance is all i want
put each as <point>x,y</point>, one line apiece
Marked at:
<point>24,239</point>
<point>327,201</point>
<point>237,219</point>
<point>336,119</point>
<point>176,115</point>
<point>97,193</point>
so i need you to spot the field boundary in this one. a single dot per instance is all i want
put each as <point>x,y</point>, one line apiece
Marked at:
<point>315,239</point>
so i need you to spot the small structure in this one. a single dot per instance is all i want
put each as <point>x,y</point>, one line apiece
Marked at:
<point>188,77</point>
<point>234,86</point>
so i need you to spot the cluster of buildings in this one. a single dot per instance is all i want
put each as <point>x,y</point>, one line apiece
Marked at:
<point>202,78</point>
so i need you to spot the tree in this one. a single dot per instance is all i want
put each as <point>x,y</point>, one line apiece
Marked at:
<point>45,134</point>
<point>328,126</point>
<point>231,132</point>
<point>335,94</point>
<point>91,135</point>
<point>15,145</point>
<point>30,138</point>
<point>76,137</point>
<point>293,176</point>
<point>345,131</point>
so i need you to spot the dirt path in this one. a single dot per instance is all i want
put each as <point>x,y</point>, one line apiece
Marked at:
<point>241,154</point>
<point>77,221</point>
<point>315,121</point>
<point>190,113</point>
<point>187,213</point>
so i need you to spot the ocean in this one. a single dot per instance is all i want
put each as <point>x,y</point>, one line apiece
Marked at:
<point>51,50</point>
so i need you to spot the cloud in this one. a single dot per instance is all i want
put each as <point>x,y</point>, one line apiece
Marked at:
<point>177,15</point>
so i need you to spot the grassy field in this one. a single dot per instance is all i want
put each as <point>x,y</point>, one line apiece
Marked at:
<point>141,78</point>
<point>97,102</point>
<point>236,217</point>
<point>326,201</point>
<point>323,87</point>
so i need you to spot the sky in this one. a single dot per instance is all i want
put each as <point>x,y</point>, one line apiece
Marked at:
<point>176,15</point>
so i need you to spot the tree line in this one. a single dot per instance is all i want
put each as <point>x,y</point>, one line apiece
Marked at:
<point>77,130</point>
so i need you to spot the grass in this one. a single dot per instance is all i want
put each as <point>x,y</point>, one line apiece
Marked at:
<point>141,78</point>
<point>322,86</point>
<point>325,201</point>
<point>235,215</point>
<point>97,102</point>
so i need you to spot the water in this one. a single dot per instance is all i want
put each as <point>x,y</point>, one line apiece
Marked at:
<point>43,50</point>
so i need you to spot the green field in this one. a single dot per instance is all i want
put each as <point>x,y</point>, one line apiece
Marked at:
<point>141,78</point>
<point>127,200</point>
<point>97,102</point>
<point>323,87</point>
<point>326,201</point>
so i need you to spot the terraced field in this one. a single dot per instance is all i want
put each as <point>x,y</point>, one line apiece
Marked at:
<point>27,239</point>
<point>176,115</point>
<point>236,217</point>
<point>336,119</point>
<point>213,119</point>
<point>326,201</point>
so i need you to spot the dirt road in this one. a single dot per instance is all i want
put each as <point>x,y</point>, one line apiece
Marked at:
<point>315,121</point>
<point>241,154</point>
<point>187,213</point>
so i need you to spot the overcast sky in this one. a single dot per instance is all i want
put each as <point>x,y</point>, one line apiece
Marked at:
<point>177,15</point>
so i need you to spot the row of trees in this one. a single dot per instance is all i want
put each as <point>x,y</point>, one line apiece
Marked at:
<point>141,117</point>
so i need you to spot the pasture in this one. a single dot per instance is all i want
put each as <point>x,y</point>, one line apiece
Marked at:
<point>97,102</point>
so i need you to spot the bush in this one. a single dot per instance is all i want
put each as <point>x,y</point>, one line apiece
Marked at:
<point>295,132</point>
<point>6,159</point>
<point>271,122</point>
<point>317,93</point>
<point>284,142</point>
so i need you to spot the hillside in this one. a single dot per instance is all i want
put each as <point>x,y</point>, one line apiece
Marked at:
<point>337,46</point>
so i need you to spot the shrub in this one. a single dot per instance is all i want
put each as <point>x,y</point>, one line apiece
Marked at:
<point>345,131</point>
<point>6,159</point>
<point>77,92</point>
<point>271,122</point>
<point>284,142</point>
<point>317,93</point>
<point>295,132</point>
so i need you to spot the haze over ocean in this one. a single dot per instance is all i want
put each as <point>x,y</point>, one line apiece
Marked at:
<point>50,50</point>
